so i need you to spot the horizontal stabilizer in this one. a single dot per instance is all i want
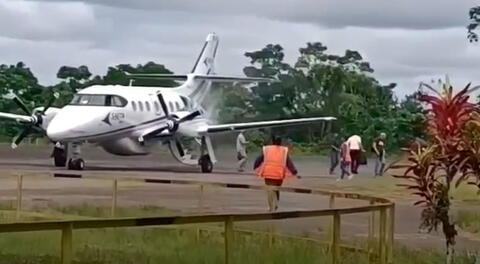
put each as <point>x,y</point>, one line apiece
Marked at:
<point>262,124</point>
<point>220,78</point>
<point>159,76</point>
<point>184,77</point>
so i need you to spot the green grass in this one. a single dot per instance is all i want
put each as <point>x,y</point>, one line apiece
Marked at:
<point>170,245</point>
<point>469,220</point>
<point>157,245</point>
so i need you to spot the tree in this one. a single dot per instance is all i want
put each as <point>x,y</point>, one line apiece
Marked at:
<point>116,75</point>
<point>319,84</point>
<point>20,80</point>
<point>474,16</point>
<point>450,157</point>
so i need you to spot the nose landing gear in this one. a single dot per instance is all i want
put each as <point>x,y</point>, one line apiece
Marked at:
<point>59,155</point>
<point>71,152</point>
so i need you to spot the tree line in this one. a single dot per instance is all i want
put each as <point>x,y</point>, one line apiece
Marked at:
<point>317,84</point>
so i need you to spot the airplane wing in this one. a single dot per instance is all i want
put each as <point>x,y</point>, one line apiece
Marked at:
<point>212,129</point>
<point>15,117</point>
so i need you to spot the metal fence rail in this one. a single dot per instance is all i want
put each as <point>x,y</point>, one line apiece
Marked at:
<point>379,250</point>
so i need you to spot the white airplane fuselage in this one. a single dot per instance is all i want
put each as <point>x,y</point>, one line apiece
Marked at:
<point>116,127</point>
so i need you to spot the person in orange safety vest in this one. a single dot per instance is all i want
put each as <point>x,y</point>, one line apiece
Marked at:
<point>274,166</point>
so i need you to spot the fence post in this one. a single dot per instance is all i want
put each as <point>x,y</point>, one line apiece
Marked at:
<point>200,198</point>
<point>229,240</point>
<point>382,236</point>
<point>371,231</point>
<point>67,246</point>
<point>331,204</point>
<point>114,196</point>
<point>19,194</point>
<point>391,234</point>
<point>335,239</point>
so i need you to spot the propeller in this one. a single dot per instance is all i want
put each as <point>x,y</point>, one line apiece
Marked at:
<point>37,117</point>
<point>172,120</point>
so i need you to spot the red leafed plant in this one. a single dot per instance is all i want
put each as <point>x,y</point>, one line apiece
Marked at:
<point>452,156</point>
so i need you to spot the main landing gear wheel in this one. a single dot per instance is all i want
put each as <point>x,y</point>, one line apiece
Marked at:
<point>59,157</point>
<point>206,164</point>
<point>76,164</point>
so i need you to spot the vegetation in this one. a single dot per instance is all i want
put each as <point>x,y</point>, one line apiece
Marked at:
<point>322,84</point>
<point>469,220</point>
<point>474,16</point>
<point>452,157</point>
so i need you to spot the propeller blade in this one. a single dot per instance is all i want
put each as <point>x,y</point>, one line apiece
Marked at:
<point>22,105</point>
<point>20,137</point>
<point>189,117</point>
<point>179,148</point>
<point>163,104</point>
<point>154,132</point>
<point>50,102</point>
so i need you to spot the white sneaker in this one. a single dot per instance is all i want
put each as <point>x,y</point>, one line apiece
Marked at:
<point>338,180</point>
<point>350,177</point>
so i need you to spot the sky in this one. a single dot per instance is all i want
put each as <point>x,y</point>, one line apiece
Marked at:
<point>405,41</point>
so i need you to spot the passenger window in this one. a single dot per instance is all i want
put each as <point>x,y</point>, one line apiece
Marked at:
<point>177,105</point>
<point>171,107</point>
<point>140,106</point>
<point>147,106</point>
<point>134,106</point>
<point>157,106</point>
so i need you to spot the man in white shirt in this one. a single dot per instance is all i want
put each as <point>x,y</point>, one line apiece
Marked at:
<point>241,151</point>
<point>355,145</point>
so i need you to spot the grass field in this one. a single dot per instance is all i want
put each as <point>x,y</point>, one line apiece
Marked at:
<point>182,245</point>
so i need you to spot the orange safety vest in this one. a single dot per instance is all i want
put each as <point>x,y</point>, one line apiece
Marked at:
<point>274,164</point>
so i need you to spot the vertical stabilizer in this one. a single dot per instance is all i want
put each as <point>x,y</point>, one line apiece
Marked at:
<point>206,60</point>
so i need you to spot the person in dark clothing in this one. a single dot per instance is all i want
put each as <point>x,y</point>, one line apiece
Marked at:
<point>274,166</point>
<point>334,143</point>
<point>378,148</point>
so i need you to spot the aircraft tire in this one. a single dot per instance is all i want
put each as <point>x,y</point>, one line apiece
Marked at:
<point>59,157</point>
<point>206,164</point>
<point>76,164</point>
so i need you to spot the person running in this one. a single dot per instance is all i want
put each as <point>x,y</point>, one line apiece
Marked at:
<point>345,161</point>
<point>241,151</point>
<point>334,151</point>
<point>356,148</point>
<point>274,166</point>
<point>378,147</point>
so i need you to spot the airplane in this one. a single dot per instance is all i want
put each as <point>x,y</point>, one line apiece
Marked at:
<point>133,120</point>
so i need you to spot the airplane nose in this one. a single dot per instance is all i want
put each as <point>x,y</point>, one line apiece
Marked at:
<point>55,132</point>
<point>71,122</point>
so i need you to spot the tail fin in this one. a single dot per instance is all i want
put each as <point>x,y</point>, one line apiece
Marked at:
<point>206,60</point>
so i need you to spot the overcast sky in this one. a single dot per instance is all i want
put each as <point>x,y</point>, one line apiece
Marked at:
<point>405,41</point>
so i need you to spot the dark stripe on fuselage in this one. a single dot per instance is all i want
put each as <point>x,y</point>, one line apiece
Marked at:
<point>118,130</point>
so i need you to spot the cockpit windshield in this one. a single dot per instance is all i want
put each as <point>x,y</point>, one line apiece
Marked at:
<point>98,100</point>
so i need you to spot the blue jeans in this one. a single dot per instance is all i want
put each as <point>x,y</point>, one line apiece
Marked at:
<point>380,164</point>
<point>344,166</point>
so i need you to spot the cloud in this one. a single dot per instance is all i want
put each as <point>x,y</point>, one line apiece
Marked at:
<point>411,14</point>
<point>45,21</point>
